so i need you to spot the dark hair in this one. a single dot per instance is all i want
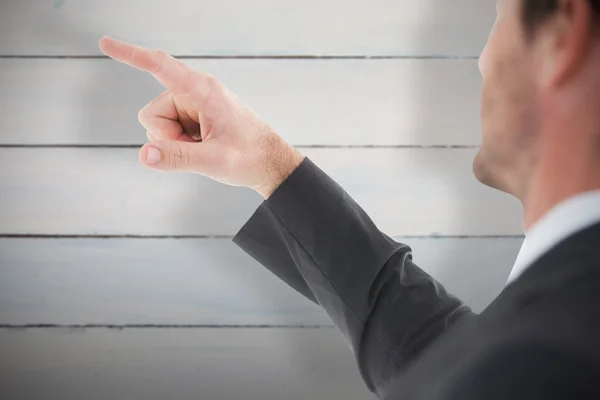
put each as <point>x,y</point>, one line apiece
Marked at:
<point>536,11</point>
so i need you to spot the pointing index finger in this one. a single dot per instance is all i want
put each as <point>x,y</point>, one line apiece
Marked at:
<point>172,73</point>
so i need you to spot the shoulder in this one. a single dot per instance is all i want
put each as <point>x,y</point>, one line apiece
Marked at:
<point>526,369</point>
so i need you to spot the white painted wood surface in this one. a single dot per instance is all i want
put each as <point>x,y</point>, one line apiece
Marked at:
<point>201,281</point>
<point>309,102</point>
<point>240,27</point>
<point>207,364</point>
<point>106,191</point>
<point>427,95</point>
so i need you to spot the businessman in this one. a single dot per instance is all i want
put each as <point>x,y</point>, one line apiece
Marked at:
<point>540,338</point>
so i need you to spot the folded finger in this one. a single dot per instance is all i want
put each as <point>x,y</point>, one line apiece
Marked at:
<point>162,118</point>
<point>161,106</point>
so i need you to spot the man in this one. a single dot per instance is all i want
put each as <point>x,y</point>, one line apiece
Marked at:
<point>540,338</point>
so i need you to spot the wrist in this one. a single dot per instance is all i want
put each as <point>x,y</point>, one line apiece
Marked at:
<point>282,163</point>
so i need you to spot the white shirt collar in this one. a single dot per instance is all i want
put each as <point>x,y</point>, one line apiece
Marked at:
<point>565,219</point>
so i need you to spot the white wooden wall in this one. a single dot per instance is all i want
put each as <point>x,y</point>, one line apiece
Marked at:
<point>121,282</point>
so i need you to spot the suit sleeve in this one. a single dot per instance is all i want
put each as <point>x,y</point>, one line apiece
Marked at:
<point>312,234</point>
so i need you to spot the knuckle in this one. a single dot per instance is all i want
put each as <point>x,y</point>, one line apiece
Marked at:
<point>210,80</point>
<point>160,56</point>
<point>142,115</point>
<point>149,111</point>
<point>179,158</point>
<point>188,79</point>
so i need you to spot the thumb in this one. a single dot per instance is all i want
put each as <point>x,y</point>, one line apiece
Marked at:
<point>174,155</point>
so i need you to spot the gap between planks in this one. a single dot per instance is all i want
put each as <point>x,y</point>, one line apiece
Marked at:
<point>156,326</point>
<point>257,57</point>
<point>311,146</point>
<point>108,236</point>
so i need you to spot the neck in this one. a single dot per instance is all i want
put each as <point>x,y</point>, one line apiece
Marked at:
<point>567,157</point>
<point>566,167</point>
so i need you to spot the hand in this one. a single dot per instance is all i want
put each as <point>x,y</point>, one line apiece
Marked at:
<point>198,125</point>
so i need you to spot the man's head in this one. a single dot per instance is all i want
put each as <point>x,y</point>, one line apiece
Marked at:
<point>541,86</point>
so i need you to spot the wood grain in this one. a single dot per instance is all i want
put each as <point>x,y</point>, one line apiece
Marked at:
<point>200,281</point>
<point>254,364</point>
<point>106,191</point>
<point>309,102</point>
<point>239,27</point>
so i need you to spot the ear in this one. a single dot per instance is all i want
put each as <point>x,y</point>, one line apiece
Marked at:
<point>563,41</point>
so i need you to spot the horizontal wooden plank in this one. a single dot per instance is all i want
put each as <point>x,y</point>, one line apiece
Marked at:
<point>309,102</point>
<point>163,364</point>
<point>200,281</point>
<point>106,191</point>
<point>260,27</point>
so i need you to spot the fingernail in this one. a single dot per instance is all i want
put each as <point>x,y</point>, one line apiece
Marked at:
<point>153,155</point>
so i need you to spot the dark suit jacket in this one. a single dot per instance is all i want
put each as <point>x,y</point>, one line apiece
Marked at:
<point>539,339</point>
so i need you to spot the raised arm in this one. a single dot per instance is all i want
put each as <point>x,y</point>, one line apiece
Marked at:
<point>386,307</point>
<point>308,231</point>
